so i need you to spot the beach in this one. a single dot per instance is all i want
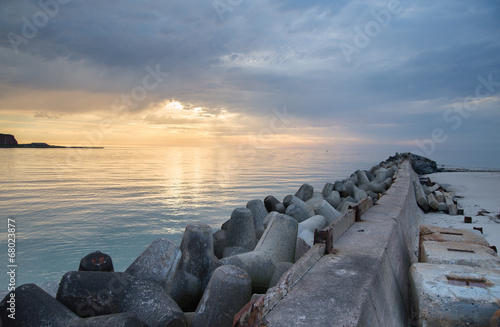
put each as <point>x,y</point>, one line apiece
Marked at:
<point>478,195</point>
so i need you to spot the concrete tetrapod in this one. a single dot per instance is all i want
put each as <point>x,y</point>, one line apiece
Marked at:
<point>334,199</point>
<point>158,263</point>
<point>258,266</point>
<point>195,267</point>
<point>273,204</point>
<point>35,307</point>
<point>316,222</point>
<point>279,239</point>
<point>305,192</point>
<point>96,261</point>
<point>125,319</point>
<point>95,293</point>
<point>259,212</point>
<point>229,289</point>
<point>241,232</point>
<point>292,199</point>
<point>326,210</point>
<point>296,212</point>
<point>32,306</point>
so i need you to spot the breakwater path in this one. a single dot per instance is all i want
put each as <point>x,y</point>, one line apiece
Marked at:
<point>365,281</point>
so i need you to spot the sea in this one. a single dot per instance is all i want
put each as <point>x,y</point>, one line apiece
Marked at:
<point>63,204</point>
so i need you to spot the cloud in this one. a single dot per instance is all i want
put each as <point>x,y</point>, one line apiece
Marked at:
<point>261,55</point>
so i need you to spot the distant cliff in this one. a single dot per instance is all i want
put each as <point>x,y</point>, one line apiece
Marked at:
<point>8,139</point>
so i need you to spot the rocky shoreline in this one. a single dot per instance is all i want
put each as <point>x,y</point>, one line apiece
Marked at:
<point>210,277</point>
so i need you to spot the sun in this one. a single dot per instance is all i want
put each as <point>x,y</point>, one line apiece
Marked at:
<point>173,105</point>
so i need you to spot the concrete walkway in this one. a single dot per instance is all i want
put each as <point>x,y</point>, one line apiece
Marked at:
<point>366,281</point>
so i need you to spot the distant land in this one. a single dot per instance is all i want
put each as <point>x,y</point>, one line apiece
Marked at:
<point>9,141</point>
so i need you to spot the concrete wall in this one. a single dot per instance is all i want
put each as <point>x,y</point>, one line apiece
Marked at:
<point>366,281</point>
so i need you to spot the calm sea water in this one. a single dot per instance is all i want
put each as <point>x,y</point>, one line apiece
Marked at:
<point>67,203</point>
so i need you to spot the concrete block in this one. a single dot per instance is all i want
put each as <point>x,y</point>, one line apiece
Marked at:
<point>259,213</point>
<point>229,289</point>
<point>326,210</point>
<point>279,239</point>
<point>269,218</point>
<point>439,196</point>
<point>360,194</point>
<point>296,212</point>
<point>305,192</point>
<point>442,207</point>
<point>315,201</point>
<point>125,319</point>
<point>327,190</point>
<point>339,187</point>
<point>350,186</point>
<point>219,243</point>
<point>273,204</point>
<point>383,174</point>
<point>442,234</point>
<point>32,306</point>
<point>434,188</point>
<point>96,261</point>
<point>316,222</point>
<point>301,248</point>
<point>241,232</point>
<point>258,266</point>
<point>433,203</point>
<point>448,295</point>
<point>280,269</point>
<point>158,263</point>
<point>452,210</point>
<point>495,320</point>
<point>292,199</point>
<point>334,199</point>
<point>195,267</point>
<point>362,178</point>
<point>455,253</point>
<point>307,236</point>
<point>95,293</point>
<point>421,197</point>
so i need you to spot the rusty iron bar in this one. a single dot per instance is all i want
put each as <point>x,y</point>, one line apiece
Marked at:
<point>251,314</point>
<point>325,236</point>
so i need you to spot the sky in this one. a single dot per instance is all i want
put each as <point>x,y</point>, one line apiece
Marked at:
<point>375,76</point>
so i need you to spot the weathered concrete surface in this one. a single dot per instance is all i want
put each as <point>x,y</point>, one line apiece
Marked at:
<point>439,303</point>
<point>441,234</point>
<point>366,281</point>
<point>455,253</point>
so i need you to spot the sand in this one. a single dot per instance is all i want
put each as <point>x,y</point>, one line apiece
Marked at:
<point>476,191</point>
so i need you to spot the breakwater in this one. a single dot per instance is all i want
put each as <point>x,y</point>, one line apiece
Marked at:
<point>188,274</point>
